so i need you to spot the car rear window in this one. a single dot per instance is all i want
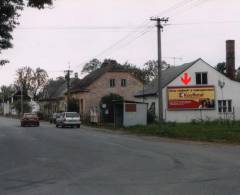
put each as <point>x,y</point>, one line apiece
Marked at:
<point>72,114</point>
<point>30,115</point>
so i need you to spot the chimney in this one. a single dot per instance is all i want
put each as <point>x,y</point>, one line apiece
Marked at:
<point>230,59</point>
<point>76,75</point>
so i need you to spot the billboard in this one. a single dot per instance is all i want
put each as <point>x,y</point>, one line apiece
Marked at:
<point>192,97</point>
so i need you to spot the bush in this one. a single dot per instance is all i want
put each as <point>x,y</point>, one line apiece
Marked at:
<point>150,117</point>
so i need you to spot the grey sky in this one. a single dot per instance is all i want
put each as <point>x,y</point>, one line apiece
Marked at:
<point>72,32</point>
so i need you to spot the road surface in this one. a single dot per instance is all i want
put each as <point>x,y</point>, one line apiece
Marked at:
<point>49,161</point>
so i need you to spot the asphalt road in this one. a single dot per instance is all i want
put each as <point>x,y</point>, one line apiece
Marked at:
<point>49,161</point>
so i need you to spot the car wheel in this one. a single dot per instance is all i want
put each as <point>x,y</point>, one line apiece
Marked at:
<point>78,126</point>
<point>22,125</point>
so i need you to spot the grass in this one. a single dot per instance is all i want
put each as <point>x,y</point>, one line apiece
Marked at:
<point>227,132</point>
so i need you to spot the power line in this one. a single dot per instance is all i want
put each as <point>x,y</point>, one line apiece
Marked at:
<point>176,6</point>
<point>202,23</point>
<point>82,27</point>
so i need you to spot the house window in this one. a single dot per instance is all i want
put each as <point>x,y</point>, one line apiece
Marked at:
<point>112,82</point>
<point>224,106</point>
<point>123,82</point>
<point>201,78</point>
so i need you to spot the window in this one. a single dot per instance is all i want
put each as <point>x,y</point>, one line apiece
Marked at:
<point>123,83</point>
<point>201,78</point>
<point>224,106</point>
<point>112,82</point>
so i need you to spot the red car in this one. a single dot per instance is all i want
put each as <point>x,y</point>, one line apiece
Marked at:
<point>29,119</point>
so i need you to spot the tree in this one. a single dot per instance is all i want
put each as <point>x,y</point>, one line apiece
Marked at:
<point>7,92</point>
<point>73,105</point>
<point>238,75</point>
<point>9,14</point>
<point>221,67</point>
<point>26,106</point>
<point>92,65</point>
<point>151,69</point>
<point>135,71</point>
<point>39,81</point>
<point>107,106</point>
<point>31,81</point>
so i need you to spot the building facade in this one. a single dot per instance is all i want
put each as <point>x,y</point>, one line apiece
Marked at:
<point>195,91</point>
<point>111,79</point>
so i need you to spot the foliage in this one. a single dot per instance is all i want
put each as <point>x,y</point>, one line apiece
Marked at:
<point>32,81</point>
<point>150,117</point>
<point>135,71</point>
<point>40,4</point>
<point>221,67</point>
<point>151,69</point>
<point>7,92</point>
<point>90,66</point>
<point>238,75</point>
<point>73,105</point>
<point>107,112</point>
<point>26,106</point>
<point>9,14</point>
<point>214,131</point>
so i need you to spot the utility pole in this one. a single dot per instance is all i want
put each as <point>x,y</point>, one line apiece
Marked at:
<point>160,101</point>
<point>68,78</point>
<point>21,99</point>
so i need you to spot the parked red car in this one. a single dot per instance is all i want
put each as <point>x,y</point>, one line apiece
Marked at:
<point>29,119</point>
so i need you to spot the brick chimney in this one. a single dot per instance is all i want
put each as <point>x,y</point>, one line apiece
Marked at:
<point>230,59</point>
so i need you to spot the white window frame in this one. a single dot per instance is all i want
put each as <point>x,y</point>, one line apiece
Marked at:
<point>201,73</point>
<point>225,106</point>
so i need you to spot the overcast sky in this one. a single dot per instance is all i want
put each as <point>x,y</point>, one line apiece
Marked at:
<point>75,31</point>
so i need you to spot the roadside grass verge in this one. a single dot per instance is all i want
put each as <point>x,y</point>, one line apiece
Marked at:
<point>227,132</point>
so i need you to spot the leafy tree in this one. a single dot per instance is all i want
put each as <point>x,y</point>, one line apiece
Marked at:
<point>32,81</point>
<point>9,14</point>
<point>26,106</point>
<point>107,112</point>
<point>221,67</point>
<point>151,69</point>
<point>135,71</point>
<point>7,92</point>
<point>92,65</point>
<point>73,105</point>
<point>238,75</point>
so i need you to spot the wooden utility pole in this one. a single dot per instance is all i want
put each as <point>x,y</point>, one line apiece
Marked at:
<point>68,79</point>
<point>159,29</point>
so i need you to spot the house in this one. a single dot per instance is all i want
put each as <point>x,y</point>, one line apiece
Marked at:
<point>53,99</point>
<point>111,78</point>
<point>195,91</point>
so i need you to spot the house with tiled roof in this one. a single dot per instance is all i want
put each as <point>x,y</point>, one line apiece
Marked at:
<point>194,91</point>
<point>110,78</point>
<point>53,99</point>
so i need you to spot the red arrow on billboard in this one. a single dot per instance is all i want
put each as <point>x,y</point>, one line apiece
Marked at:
<point>186,79</point>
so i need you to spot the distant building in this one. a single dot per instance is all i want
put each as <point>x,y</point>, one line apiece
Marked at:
<point>53,99</point>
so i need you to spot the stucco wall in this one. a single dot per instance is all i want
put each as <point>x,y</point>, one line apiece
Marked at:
<point>101,87</point>
<point>135,118</point>
<point>230,91</point>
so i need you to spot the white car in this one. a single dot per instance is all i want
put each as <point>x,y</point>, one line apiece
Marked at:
<point>71,119</point>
